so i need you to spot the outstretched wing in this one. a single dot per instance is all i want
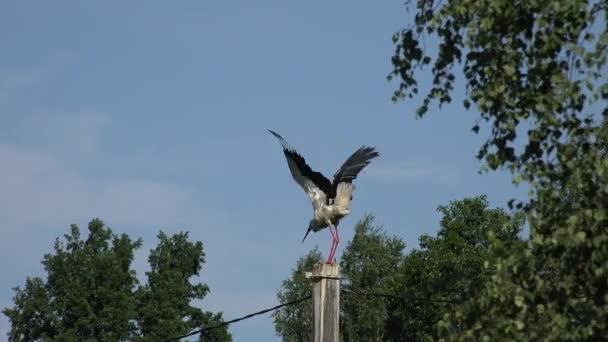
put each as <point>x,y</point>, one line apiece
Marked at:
<point>314,183</point>
<point>354,164</point>
<point>343,178</point>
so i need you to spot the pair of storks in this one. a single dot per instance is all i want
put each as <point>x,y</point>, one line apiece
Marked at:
<point>330,199</point>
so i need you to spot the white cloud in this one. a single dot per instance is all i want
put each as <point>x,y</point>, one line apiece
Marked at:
<point>79,132</point>
<point>412,171</point>
<point>13,81</point>
<point>16,80</point>
<point>38,189</point>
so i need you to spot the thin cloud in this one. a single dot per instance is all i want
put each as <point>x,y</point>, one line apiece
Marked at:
<point>38,189</point>
<point>79,132</point>
<point>412,171</point>
<point>13,81</point>
<point>17,79</point>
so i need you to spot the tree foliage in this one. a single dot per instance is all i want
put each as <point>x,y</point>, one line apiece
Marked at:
<point>165,309</point>
<point>390,295</point>
<point>450,269</point>
<point>88,292</point>
<point>91,291</point>
<point>367,262</point>
<point>294,323</point>
<point>537,69</point>
<point>538,62</point>
<point>368,266</point>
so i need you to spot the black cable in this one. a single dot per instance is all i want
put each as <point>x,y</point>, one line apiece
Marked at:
<point>360,293</point>
<point>399,298</point>
<point>203,330</point>
<point>371,294</point>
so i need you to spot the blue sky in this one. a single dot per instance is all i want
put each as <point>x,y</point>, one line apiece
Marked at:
<point>153,115</point>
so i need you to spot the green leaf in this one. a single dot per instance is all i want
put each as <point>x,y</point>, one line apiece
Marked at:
<point>540,107</point>
<point>600,214</point>
<point>422,110</point>
<point>509,69</point>
<point>517,179</point>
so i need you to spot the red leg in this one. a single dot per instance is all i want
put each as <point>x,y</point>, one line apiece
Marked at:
<point>336,242</point>
<point>333,243</point>
<point>330,258</point>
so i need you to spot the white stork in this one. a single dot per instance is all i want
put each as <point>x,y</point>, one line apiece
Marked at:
<point>330,200</point>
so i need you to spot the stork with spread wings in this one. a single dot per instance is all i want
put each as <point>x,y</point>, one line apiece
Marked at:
<point>330,199</point>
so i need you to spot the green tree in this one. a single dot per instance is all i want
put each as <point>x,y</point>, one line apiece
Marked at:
<point>535,62</point>
<point>90,293</point>
<point>391,296</point>
<point>451,268</point>
<point>294,322</point>
<point>368,267</point>
<point>164,304</point>
<point>537,69</point>
<point>555,289</point>
<point>367,264</point>
<point>32,318</point>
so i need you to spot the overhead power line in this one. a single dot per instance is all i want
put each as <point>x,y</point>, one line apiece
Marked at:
<point>219,325</point>
<point>402,298</point>
<point>344,290</point>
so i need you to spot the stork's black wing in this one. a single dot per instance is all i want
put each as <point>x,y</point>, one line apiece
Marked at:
<point>354,164</point>
<point>317,186</point>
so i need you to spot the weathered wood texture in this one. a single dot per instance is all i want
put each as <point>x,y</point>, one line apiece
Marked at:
<point>326,302</point>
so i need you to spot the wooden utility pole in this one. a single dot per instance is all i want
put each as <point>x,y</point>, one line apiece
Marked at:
<point>326,302</point>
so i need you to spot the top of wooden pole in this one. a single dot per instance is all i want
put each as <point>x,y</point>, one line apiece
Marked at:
<point>327,271</point>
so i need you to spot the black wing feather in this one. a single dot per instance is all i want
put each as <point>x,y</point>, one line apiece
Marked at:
<point>354,164</point>
<point>316,177</point>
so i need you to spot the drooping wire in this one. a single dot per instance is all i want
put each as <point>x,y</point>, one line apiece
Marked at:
<point>371,294</point>
<point>347,291</point>
<point>219,325</point>
<point>401,298</point>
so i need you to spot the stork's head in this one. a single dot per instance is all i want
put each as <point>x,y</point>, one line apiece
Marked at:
<point>313,225</point>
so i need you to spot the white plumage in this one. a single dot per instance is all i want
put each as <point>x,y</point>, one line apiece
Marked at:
<point>330,199</point>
